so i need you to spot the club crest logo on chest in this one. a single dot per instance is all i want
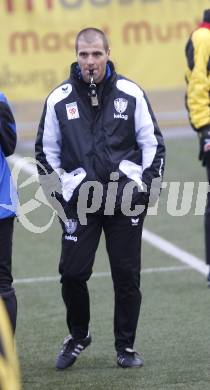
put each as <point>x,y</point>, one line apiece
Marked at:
<point>120,105</point>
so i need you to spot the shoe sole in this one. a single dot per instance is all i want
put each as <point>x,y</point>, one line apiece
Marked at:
<point>119,365</point>
<point>133,366</point>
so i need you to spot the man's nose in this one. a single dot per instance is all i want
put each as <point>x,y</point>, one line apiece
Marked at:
<point>90,60</point>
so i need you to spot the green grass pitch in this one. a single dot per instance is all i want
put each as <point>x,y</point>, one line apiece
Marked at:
<point>173,331</point>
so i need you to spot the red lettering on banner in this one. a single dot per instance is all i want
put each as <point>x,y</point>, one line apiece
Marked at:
<point>9,5</point>
<point>132,33</point>
<point>69,39</point>
<point>70,5</point>
<point>184,27</point>
<point>31,41</point>
<point>52,42</point>
<point>24,39</point>
<point>136,29</point>
<point>138,32</point>
<point>164,36</point>
<point>29,5</point>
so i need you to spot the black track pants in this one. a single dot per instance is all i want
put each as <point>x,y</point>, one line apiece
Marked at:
<point>6,290</point>
<point>207,217</point>
<point>123,242</point>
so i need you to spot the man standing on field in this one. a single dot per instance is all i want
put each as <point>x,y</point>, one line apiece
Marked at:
<point>98,127</point>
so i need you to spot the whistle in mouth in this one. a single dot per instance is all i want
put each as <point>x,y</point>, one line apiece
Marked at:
<point>93,91</point>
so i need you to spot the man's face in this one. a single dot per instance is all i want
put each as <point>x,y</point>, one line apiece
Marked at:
<point>92,56</point>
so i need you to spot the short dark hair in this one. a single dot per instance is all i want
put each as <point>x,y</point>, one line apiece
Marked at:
<point>206,15</point>
<point>89,34</point>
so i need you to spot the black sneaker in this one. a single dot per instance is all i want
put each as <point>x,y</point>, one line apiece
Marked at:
<point>70,351</point>
<point>129,358</point>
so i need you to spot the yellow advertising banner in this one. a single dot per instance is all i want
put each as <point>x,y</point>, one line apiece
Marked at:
<point>147,40</point>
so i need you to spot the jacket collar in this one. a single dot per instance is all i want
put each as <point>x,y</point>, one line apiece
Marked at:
<point>75,72</point>
<point>205,25</point>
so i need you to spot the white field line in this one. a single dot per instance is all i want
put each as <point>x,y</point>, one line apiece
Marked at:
<point>174,251</point>
<point>153,239</point>
<point>98,275</point>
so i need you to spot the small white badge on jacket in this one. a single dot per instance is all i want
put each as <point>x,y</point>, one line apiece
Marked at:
<point>72,110</point>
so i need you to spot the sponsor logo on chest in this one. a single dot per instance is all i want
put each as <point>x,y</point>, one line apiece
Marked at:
<point>72,110</point>
<point>120,106</point>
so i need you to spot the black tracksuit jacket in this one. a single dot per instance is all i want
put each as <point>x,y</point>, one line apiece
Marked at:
<point>74,134</point>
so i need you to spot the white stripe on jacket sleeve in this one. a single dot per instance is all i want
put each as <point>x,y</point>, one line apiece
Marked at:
<point>51,133</point>
<point>144,126</point>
